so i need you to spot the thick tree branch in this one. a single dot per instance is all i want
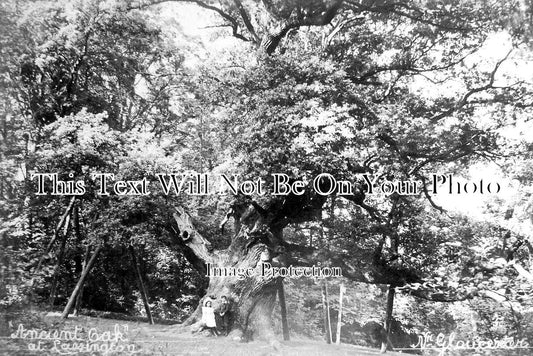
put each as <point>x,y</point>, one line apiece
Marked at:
<point>246,19</point>
<point>464,100</point>
<point>413,13</point>
<point>232,21</point>
<point>408,68</point>
<point>290,247</point>
<point>297,16</point>
<point>428,196</point>
<point>190,237</point>
<point>436,295</point>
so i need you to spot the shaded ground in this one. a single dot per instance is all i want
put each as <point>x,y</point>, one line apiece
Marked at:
<point>86,335</point>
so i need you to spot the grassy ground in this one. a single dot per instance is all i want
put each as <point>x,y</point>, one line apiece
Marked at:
<point>85,335</point>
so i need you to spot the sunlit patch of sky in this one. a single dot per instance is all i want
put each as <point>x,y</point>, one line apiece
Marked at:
<point>202,27</point>
<point>477,205</point>
<point>495,48</point>
<point>513,70</point>
<point>473,203</point>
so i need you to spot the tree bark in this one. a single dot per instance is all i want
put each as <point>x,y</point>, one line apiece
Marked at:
<point>81,282</point>
<point>142,288</point>
<point>252,297</point>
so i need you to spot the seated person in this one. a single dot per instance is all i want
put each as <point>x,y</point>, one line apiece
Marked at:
<point>208,318</point>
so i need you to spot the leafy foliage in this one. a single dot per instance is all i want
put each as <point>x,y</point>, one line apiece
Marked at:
<point>394,91</point>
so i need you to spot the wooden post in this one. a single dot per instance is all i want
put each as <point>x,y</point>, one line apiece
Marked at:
<point>79,297</point>
<point>142,288</point>
<point>329,315</point>
<point>81,282</point>
<point>56,233</point>
<point>59,262</point>
<point>76,221</point>
<point>339,321</point>
<point>77,305</point>
<point>53,288</point>
<point>325,305</point>
<point>283,307</point>
<point>385,342</point>
<point>51,243</point>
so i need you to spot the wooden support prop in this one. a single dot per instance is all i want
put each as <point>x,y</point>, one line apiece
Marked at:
<point>385,342</point>
<point>56,233</point>
<point>283,307</point>
<point>339,321</point>
<point>329,314</point>
<point>77,232</point>
<point>142,288</point>
<point>59,262</point>
<point>79,297</point>
<point>81,282</point>
<point>325,305</point>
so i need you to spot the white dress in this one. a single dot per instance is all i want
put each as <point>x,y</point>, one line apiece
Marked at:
<point>208,317</point>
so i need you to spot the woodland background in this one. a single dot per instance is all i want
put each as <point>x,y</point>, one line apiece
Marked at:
<point>401,89</point>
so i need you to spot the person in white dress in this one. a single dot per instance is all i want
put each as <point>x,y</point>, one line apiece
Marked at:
<point>208,318</point>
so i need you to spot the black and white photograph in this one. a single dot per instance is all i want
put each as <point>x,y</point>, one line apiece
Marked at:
<point>266,177</point>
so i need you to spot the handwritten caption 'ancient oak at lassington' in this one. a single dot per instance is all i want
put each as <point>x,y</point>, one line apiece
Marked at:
<point>77,340</point>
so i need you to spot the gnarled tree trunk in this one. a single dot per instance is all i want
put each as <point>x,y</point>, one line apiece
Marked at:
<point>253,296</point>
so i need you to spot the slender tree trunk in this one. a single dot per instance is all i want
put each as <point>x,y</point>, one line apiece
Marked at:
<point>78,304</point>
<point>283,307</point>
<point>325,238</point>
<point>59,262</point>
<point>79,297</point>
<point>62,221</point>
<point>81,282</point>
<point>142,288</point>
<point>79,261</point>
<point>328,313</point>
<point>339,321</point>
<point>56,232</point>
<point>385,342</point>
<point>325,305</point>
